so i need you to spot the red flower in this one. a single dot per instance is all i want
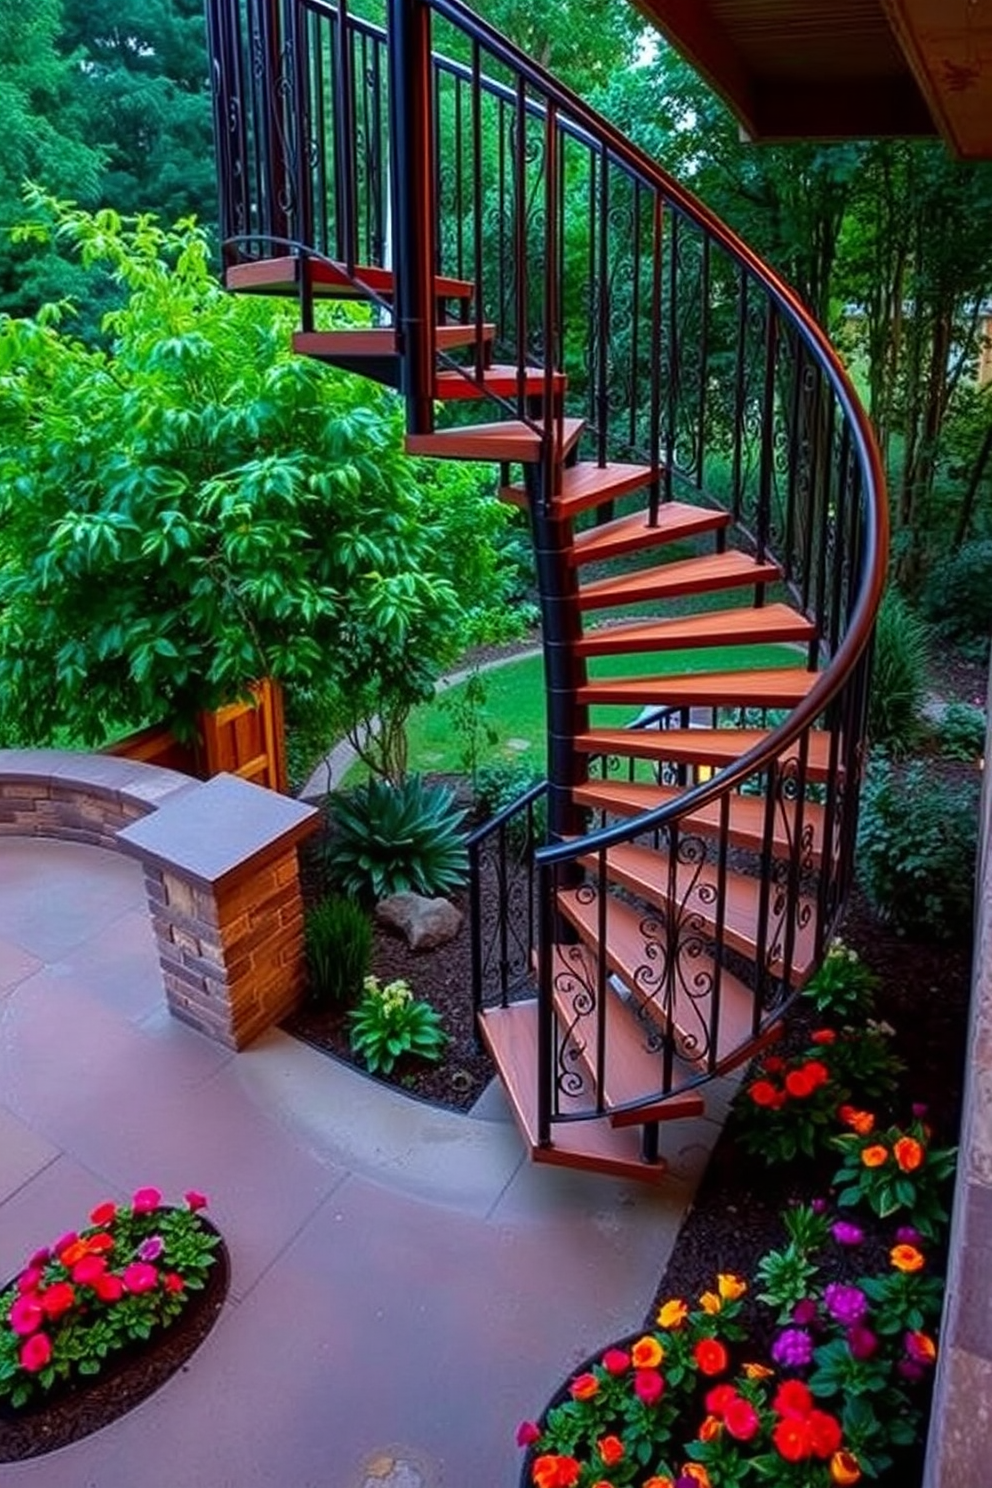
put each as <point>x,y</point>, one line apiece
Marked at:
<point>792,1438</point>
<point>59,1297</point>
<point>648,1386</point>
<point>86,1271</point>
<point>104,1214</point>
<point>799,1084</point>
<point>824,1434</point>
<point>774,1065</point>
<point>611,1450</point>
<point>792,1398</point>
<point>741,1419</point>
<point>70,1254</point>
<point>552,1471</point>
<point>99,1244</point>
<point>26,1315</point>
<point>584,1387</point>
<point>40,1258</point>
<point>616,1361</point>
<point>711,1356</point>
<point>823,1036</point>
<point>139,1277</point>
<point>145,1200</point>
<point>719,1398</point>
<point>36,1353</point>
<point>528,1432</point>
<point>816,1073</point>
<point>763,1093</point>
<point>195,1200</point>
<point>108,1287</point>
<point>173,1282</point>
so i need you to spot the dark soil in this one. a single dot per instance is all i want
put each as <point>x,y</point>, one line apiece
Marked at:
<point>128,1379</point>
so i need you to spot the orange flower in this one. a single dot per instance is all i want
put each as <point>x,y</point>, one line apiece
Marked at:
<point>844,1469</point>
<point>74,1253</point>
<point>908,1153</point>
<point>710,1302</point>
<point>697,1470</point>
<point>920,1346</point>
<point>710,1429</point>
<point>906,1258</point>
<point>657,1482</point>
<point>672,1314</point>
<point>874,1157</point>
<point>711,1356</point>
<point>757,1371</point>
<point>584,1387</point>
<point>647,1353</point>
<point>861,1122</point>
<point>611,1449</point>
<point>552,1471</point>
<point>730,1286</point>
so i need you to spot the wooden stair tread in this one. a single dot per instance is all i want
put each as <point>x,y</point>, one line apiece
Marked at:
<point>282,276</point>
<point>587,484</point>
<point>745,817</point>
<point>745,625</point>
<point>687,576</point>
<point>500,380</point>
<point>771,687</point>
<point>511,440</point>
<point>705,746</point>
<point>379,340</point>
<point>648,873</point>
<point>633,956</point>
<point>510,1035</point>
<point>633,1070</point>
<point>676,519</point>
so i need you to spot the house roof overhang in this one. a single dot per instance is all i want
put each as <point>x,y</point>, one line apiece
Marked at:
<point>849,69</point>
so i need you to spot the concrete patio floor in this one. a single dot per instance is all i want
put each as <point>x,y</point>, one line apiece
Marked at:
<point>406,1286</point>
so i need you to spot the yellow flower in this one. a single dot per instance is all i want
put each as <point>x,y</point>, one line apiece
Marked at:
<point>710,1302</point>
<point>730,1287</point>
<point>672,1314</point>
<point>757,1371</point>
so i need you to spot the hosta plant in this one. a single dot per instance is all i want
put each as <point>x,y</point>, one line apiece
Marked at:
<point>894,1170</point>
<point>391,839</point>
<point>390,1022</point>
<point>130,1271</point>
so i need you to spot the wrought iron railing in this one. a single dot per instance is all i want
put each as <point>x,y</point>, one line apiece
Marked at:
<point>435,146</point>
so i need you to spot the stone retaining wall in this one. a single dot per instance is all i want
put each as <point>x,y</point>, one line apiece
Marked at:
<point>221,874</point>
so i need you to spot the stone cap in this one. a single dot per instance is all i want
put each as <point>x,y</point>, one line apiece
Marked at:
<point>101,775</point>
<point>219,831</point>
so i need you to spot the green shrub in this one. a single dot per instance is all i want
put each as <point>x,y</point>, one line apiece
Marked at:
<point>899,675</point>
<point>961,732</point>
<point>501,783</point>
<point>957,596</point>
<point>390,1022</point>
<point>390,839</point>
<point>917,839</point>
<point>843,987</point>
<point>338,937</point>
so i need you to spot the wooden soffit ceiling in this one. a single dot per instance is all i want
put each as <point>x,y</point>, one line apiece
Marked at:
<point>843,69</point>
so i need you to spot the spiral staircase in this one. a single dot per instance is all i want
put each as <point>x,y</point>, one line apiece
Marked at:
<point>708,519</point>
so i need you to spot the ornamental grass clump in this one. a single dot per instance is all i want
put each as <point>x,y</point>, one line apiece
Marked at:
<point>77,1302</point>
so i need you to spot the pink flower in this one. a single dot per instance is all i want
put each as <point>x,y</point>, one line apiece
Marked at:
<point>861,1341</point>
<point>195,1200</point>
<point>145,1200</point>
<point>36,1353</point>
<point>919,1109</point>
<point>104,1214</point>
<point>26,1315</point>
<point>616,1361</point>
<point>139,1277</point>
<point>86,1271</point>
<point>907,1235</point>
<point>29,1279</point>
<point>151,1249</point>
<point>40,1258</point>
<point>649,1386</point>
<point>528,1432</point>
<point>64,1241</point>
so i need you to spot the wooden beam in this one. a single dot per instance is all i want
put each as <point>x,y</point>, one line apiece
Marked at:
<point>948,46</point>
<point>695,32</point>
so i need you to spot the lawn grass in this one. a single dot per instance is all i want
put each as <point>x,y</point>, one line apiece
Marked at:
<point>515,704</point>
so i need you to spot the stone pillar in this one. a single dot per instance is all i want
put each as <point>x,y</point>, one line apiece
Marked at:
<point>223,886</point>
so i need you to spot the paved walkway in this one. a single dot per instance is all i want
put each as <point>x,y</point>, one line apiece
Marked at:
<point>406,1285</point>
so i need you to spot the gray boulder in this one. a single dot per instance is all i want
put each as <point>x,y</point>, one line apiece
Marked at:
<point>426,923</point>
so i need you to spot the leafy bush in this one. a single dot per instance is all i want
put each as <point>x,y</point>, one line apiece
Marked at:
<point>390,839</point>
<point>917,839</point>
<point>390,1022</point>
<point>899,675</point>
<point>499,784</point>
<point>843,987</point>
<point>957,596</point>
<point>961,731</point>
<point>338,936</point>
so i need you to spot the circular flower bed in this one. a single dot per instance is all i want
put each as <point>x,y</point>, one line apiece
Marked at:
<point>132,1293</point>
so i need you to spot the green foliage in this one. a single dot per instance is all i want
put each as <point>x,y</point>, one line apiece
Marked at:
<point>787,1110</point>
<point>498,785</point>
<point>961,731</point>
<point>338,939</point>
<point>957,596</point>
<point>896,1171</point>
<point>862,1061</point>
<point>466,707</point>
<point>785,1277</point>
<point>843,987</point>
<point>917,839</point>
<point>391,839</point>
<point>899,675</point>
<point>390,1022</point>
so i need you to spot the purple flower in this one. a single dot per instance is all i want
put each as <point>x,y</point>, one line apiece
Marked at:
<point>819,1206</point>
<point>847,1304</point>
<point>805,1312</point>
<point>151,1249</point>
<point>40,1259</point>
<point>846,1233</point>
<point>861,1341</point>
<point>793,1348</point>
<point>906,1235</point>
<point>919,1109</point>
<point>910,1370</point>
